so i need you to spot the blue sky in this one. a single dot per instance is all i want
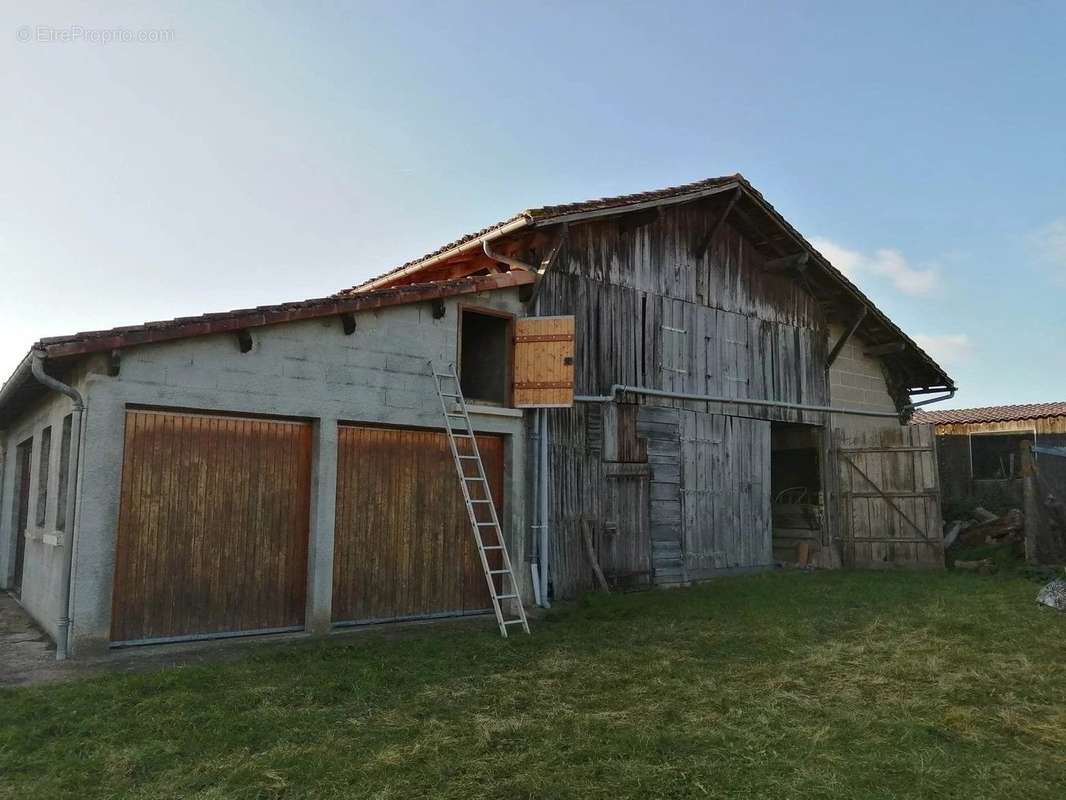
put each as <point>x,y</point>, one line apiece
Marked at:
<point>271,152</point>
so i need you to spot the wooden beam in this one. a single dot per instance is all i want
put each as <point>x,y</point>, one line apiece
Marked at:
<point>705,242</point>
<point>796,261</point>
<point>548,261</point>
<point>843,340</point>
<point>885,349</point>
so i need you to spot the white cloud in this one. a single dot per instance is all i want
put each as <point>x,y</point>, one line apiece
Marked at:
<point>946,349</point>
<point>884,263</point>
<point>1050,245</point>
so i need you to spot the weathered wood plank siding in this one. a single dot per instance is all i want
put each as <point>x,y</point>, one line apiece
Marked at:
<point>651,314</point>
<point>889,498</point>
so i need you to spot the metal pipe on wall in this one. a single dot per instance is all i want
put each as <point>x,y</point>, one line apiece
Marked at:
<point>63,624</point>
<point>544,469</point>
<point>621,388</point>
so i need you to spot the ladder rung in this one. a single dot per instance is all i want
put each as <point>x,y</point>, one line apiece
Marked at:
<point>486,524</point>
<point>506,596</point>
<point>513,621</point>
<point>449,394</point>
<point>473,457</point>
<point>492,547</point>
<point>443,375</point>
<point>480,501</point>
<point>462,436</point>
<point>499,572</point>
<point>478,478</point>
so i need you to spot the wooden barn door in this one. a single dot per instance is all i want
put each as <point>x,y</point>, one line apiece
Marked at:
<point>889,498</point>
<point>544,362</point>
<point>213,526</point>
<point>403,545</point>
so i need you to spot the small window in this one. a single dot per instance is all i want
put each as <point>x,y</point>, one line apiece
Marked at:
<point>485,357</point>
<point>64,474</point>
<point>997,456</point>
<point>42,474</point>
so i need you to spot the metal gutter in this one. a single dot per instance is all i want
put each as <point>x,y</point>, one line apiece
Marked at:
<point>476,243</point>
<point>63,625</point>
<point>525,221</point>
<point>514,263</point>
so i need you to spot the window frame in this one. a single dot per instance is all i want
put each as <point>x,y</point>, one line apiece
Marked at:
<point>508,389</point>
<point>1029,432</point>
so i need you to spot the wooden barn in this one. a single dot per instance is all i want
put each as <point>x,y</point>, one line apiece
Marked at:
<point>661,387</point>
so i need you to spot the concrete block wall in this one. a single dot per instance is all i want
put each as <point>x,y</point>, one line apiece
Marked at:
<point>858,381</point>
<point>308,369</point>
<point>45,546</point>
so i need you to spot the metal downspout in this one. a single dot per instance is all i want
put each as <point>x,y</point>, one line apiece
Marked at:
<point>63,626</point>
<point>534,528</point>
<point>545,559</point>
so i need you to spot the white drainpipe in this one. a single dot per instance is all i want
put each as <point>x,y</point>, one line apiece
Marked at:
<point>63,625</point>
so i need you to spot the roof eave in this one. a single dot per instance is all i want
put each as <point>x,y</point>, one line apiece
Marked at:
<point>516,224</point>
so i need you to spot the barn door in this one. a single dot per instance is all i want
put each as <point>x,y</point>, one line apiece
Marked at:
<point>544,362</point>
<point>889,498</point>
<point>213,526</point>
<point>403,547</point>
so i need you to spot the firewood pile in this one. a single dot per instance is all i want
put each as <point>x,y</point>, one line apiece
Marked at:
<point>985,528</point>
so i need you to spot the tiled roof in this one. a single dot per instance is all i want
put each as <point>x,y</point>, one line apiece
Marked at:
<point>547,215</point>
<point>989,414</point>
<point>229,321</point>
<point>542,213</point>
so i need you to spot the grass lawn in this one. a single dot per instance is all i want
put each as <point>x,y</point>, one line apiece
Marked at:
<point>831,685</point>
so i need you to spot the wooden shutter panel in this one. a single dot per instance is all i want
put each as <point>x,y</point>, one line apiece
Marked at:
<point>544,362</point>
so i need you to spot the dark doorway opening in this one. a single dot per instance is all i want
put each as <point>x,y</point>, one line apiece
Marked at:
<point>485,357</point>
<point>797,498</point>
<point>23,457</point>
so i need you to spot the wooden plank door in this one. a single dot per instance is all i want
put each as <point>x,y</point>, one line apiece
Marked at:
<point>403,546</point>
<point>544,362</point>
<point>23,459</point>
<point>213,526</point>
<point>889,498</point>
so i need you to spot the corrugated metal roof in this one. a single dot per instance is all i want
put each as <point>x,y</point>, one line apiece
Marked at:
<point>989,414</point>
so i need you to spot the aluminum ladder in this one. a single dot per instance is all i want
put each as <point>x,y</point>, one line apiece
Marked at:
<point>460,430</point>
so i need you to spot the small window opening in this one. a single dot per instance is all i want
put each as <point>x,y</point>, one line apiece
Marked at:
<point>23,459</point>
<point>64,474</point>
<point>796,492</point>
<point>997,456</point>
<point>42,475</point>
<point>485,358</point>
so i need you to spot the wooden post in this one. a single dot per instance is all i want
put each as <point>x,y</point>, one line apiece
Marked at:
<point>1030,503</point>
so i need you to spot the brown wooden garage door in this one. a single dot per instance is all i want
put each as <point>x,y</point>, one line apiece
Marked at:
<point>213,526</point>
<point>403,544</point>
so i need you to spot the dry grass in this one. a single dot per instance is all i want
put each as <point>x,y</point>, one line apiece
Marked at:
<point>785,686</point>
